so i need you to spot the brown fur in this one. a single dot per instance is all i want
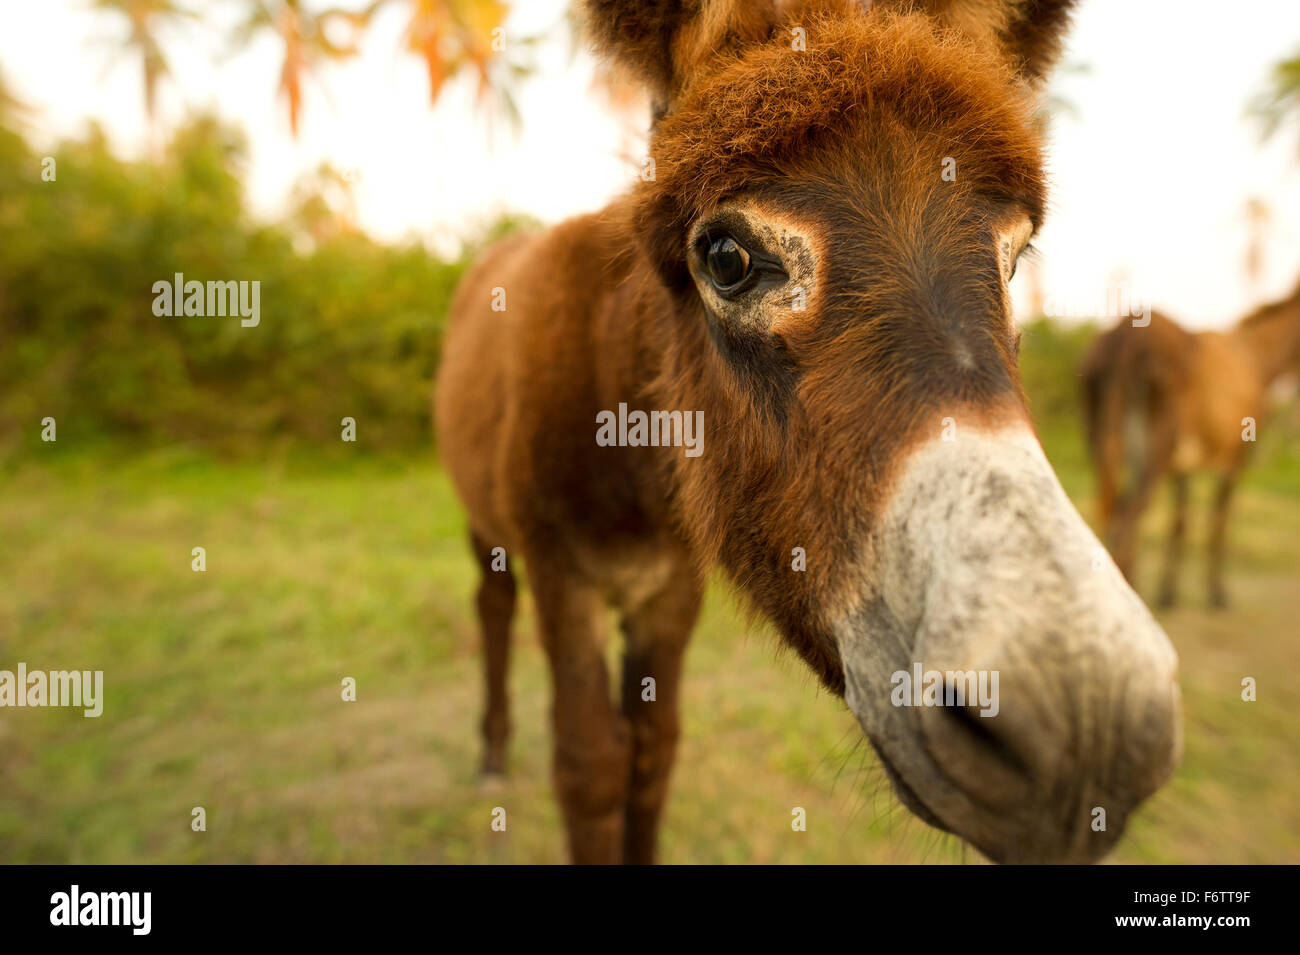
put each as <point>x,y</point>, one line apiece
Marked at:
<point>1163,402</point>
<point>806,419</point>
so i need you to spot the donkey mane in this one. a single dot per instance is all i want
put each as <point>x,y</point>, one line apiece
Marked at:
<point>1272,333</point>
<point>769,108</point>
<point>1271,311</point>
<point>652,40</point>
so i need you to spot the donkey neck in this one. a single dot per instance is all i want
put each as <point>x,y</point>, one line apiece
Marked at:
<point>1272,334</point>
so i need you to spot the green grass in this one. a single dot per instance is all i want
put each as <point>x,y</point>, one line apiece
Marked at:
<point>223,687</point>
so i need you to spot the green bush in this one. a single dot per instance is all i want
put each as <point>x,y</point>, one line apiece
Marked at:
<point>348,326</point>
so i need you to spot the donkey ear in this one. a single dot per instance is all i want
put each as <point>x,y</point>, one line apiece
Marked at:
<point>662,42</point>
<point>1038,35</point>
<point>1031,32</point>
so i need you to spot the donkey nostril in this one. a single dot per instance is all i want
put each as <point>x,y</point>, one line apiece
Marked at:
<point>984,738</point>
<point>982,733</point>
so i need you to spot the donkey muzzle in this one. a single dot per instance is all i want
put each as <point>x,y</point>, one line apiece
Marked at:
<point>1018,691</point>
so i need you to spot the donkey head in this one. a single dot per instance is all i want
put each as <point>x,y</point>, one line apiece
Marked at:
<point>839,198</point>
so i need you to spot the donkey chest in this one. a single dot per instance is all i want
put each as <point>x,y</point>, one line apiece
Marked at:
<point>628,573</point>
<point>618,539</point>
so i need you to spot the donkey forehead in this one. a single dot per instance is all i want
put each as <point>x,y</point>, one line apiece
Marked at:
<point>862,78</point>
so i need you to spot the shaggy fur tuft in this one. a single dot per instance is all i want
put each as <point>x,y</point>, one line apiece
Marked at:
<point>734,124</point>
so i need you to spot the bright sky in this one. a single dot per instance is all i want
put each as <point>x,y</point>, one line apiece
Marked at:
<point>1150,178</point>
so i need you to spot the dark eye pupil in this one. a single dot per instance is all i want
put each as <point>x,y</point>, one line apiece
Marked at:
<point>728,262</point>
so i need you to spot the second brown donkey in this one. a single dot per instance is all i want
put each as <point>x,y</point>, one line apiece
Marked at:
<point>1160,401</point>
<point>789,351</point>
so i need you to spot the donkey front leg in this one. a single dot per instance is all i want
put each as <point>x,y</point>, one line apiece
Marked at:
<point>592,742</point>
<point>657,633</point>
<point>496,608</point>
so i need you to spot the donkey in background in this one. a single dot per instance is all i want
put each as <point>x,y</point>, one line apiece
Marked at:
<point>1160,401</point>
<point>801,270</point>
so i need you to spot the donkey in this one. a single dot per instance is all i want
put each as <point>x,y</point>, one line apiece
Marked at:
<point>818,262</point>
<point>1160,401</point>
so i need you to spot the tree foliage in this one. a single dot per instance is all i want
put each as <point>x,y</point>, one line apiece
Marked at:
<point>1279,103</point>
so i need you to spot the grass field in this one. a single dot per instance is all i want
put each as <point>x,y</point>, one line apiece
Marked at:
<point>223,687</point>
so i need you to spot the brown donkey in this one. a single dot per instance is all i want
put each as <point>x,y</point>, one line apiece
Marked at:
<point>789,351</point>
<point>1160,401</point>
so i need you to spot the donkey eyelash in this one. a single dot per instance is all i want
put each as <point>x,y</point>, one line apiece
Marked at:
<point>1030,252</point>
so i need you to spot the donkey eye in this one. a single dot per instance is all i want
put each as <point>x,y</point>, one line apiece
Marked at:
<point>728,262</point>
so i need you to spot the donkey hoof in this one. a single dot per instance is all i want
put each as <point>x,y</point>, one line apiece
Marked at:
<point>1219,601</point>
<point>491,781</point>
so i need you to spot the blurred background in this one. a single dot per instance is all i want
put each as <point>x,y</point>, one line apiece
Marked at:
<point>352,158</point>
